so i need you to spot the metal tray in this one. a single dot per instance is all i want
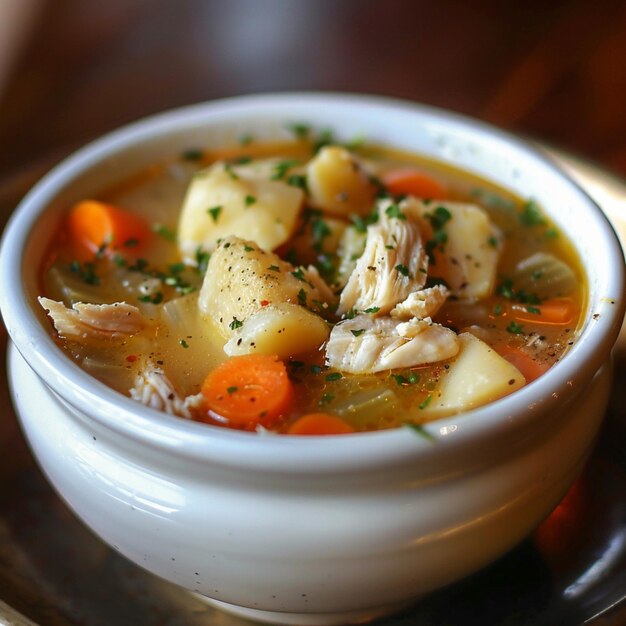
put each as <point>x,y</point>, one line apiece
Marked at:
<point>54,572</point>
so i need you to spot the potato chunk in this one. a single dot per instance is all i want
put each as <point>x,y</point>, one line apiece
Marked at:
<point>477,375</point>
<point>467,247</point>
<point>338,183</point>
<point>242,279</point>
<point>284,329</point>
<point>223,201</point>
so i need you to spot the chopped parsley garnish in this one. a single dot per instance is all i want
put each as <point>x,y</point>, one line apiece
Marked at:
<point>301,131</point>
<point>438,219</point>
<point>498,309</point>
<point>352,313</point>
<point>425,403</point>
<point>249,200</point>
<point>324,138</point>
<point>326,398</point>
<point>214,212</point>
<point>316,369</point>
<point>119,260</point>
<point>551,233</point>
<point>86,272</point>
<point>493,242</point>
<point>530,215</point>
<point>248,248</point>
<point>515,328</point>
<point>402,269</point>
<point>202,260</point>
<point>192,154</point>
<point>274,268</point>
<point>235,324</point>
<point>183,343</point>
<point>372,309</point>
<point>402,380</point>
<point>334,376</point>
<point>298,180</point>
<point>433,281</point>
<point>420,430</point>
<point>534,310</point>
<point>299,274</point>
<point>393,210</point>
<point>131,243</point>
<point>319,230</point>
<point>281,168</point>
<point>302,297</point>
<point>164,231</point>
<point>358,331</point>
<point>361,223</point>
<point>156,298</point>
<point>177,268</point>
<point>232,389</point>
<point>506,290</point>
<point>228,168</point>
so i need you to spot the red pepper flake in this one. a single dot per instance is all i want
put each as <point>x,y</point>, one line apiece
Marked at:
<point>264,302</point>
<point>131,358</point>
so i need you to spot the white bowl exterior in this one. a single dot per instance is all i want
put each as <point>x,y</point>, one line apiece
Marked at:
<point>302,545</point>
<point>265,520</point>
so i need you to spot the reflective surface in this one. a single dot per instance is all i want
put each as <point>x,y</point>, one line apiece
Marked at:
<point>573,570</point>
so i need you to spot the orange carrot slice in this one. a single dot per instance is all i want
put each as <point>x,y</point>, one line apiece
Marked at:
<point>250,389</point>
<point>320,424</point>
<point>530,368</point>
<point>94,227</point>
<point>412,182</point>
<point>558,311</point>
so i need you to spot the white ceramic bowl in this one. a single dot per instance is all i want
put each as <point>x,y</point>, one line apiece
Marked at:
<point>309,530</point>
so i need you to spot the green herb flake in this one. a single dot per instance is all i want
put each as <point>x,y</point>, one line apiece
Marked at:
<point>420,430</point>
<point>131,243</point>
<point>214,212</point>
<point>202,258</point>
<point>235,324</point>
<point>534,310</point>
<point>358,331</point>
<point>334,376</point>
<point>326,398</point>
<point>299,274</point>
<point>249,200</point>
<point>274,268</point>
<point>393,210</point>
<point>232,389</point>
<point>372,309</point>
<point>86,272</point>
<point>248,248</point>
<point>228,168</point>
<point>119,260</point>
<point>425,403</point>
<point>183,343</point>
<point>298,180</point>
<point>493,242</point>
<point>515,328</point>
<point>498,309</point>
<point>316,369</point>
<point>300,131</point>
<point>281,168</point>
<point>164,231</point>
<point>302,297</point>
<point>531,215</point>
<point>402,269</point>
<point>192,154</point>
<point>551,233</point>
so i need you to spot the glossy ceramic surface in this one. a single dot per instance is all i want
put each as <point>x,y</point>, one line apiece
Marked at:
<point>361,509</point>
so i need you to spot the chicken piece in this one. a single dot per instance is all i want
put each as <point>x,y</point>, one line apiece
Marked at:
<point>421,304</point>
<point>339,184</point>
<point>365,344</point>
<point>94,321</point>
<point>154,389</point>
<point>241,279</point>
<point>464,245</point>
<point>393,264</point>
<point>224,200</point>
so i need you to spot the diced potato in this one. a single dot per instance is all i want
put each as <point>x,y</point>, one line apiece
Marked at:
<point>477,375</point>
<point>284,329</point>
<point>338,183</point>
<point>468,258</point>
<point>223,201</point>
<point>241,279</point>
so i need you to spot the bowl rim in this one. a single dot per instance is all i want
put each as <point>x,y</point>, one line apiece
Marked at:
<point>287,453</point>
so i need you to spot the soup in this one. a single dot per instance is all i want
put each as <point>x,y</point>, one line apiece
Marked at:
<point>309,287</point>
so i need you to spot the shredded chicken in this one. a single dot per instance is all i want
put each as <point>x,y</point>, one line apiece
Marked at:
<point>96,321</point>
<point>421,304</point>
<point>365,344</point>
<point>154,389</point>
<point>393,264</point>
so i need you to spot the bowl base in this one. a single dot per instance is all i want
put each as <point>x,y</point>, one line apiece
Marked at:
<point>280,618</point>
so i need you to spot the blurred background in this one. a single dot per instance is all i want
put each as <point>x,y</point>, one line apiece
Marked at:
<point>73,69</point>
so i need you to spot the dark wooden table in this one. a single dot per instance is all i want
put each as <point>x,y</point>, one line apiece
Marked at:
<point>554,70</point>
